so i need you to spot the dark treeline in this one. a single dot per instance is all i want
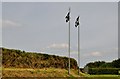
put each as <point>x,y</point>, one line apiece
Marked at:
<point>103,64</point>
<point>102,67</point>
<point>22,59</point>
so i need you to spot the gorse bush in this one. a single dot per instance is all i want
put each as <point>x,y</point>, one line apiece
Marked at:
<point>22,59</point>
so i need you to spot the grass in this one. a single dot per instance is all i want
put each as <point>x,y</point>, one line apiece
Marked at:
<point>45,72</point>
<point>87,76</point>
<point>51,72</point>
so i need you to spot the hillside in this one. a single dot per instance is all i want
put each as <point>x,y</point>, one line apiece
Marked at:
<point>22,59</point>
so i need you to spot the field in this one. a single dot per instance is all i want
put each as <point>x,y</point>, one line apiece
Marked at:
<point>51,72</point>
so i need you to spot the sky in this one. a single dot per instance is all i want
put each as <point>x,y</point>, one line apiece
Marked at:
<point>60,0</point>
<point>118,29</point>
<point>0,24</point>
<point>41,27</point>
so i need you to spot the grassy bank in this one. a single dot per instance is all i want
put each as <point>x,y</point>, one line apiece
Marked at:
<point>52,72</point>
<point>44,72</point>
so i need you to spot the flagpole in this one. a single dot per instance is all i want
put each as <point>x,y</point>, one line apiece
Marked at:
<point>78,49</point>
<point>69,46</point>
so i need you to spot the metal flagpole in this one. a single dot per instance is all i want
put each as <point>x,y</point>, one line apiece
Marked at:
<point>69,45</point>
<point>78,49</point>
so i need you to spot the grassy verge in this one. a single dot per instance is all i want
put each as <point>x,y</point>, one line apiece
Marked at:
<point>51,72</point>
<point>45,72</point>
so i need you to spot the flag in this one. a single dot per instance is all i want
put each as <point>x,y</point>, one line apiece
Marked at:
<point>77,22</point>
<point>68,17</point>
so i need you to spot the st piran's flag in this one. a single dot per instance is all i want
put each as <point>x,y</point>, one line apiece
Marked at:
<point>68,17</point>
<point>77,22</point>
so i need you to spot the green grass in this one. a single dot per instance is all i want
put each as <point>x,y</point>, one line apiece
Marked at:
<point>87,76</point>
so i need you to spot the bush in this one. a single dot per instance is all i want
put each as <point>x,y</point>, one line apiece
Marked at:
<point>22,59</point>
<point>98,71</point>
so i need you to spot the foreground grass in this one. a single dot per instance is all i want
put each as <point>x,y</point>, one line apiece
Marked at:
<point>45,72</point>
<point>51,72</point>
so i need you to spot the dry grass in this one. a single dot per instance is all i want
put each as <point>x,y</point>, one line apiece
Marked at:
<point>45,72</point>
<point>51,72</point>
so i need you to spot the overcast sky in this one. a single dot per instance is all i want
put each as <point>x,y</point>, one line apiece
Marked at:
<point>41,27</point>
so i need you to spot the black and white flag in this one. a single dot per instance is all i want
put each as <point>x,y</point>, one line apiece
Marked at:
<point>68,17</point>
<point>77,22</point>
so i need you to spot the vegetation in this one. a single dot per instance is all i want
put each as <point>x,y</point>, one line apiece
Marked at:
<point>97,71</point>
<point>44,72</point>
<point>101,67</point>
<point>50,73</point>
<point>17,63</point>
<point>103,64</point>
<point>22,59</point>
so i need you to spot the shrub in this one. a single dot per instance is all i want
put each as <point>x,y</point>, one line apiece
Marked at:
<point>97,71</point>
<point>22,59</point>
